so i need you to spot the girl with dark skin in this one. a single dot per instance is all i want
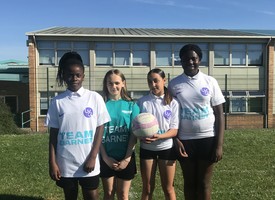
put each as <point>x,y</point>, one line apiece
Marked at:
<point>72,115</point>
<point>201,130</point>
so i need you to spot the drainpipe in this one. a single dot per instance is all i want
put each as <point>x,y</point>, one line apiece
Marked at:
<point>36,85</point>
<point>266,84</point>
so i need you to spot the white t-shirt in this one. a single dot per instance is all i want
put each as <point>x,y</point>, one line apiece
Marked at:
<point>196,96</point>
<point>76,115</point>
<point>167,116</point>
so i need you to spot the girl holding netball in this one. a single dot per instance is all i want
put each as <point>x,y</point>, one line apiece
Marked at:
<point>158,151</point>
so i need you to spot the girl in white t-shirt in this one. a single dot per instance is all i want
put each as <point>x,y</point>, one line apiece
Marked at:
<point>76,120</point>
<point>158,150</point>
<point>201,129</point>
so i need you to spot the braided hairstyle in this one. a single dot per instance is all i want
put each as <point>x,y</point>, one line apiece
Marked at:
<point>66,61</point>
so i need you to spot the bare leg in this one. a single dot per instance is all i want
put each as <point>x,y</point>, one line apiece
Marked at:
<point>167,170</point>
<point>123,187</point>
<point>148,174</point>
<point>109,188</point>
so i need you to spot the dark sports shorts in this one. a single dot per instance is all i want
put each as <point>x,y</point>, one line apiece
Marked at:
<point>168,154</point>
<point>201,149</point>
<point>89,183</point>
<point>126,174</point>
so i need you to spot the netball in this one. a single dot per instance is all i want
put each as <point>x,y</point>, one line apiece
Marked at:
<point>145,125</point>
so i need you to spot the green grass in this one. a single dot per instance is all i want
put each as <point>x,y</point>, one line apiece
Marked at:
<point>246,172</point>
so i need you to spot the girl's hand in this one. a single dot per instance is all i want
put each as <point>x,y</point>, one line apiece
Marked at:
<point>89,165</point>
<point>111,162</point>
<point>180,148</point>
<point>54,172</point>
<point>218,154</point>
<point>122,165</point>
<point>149,140</point>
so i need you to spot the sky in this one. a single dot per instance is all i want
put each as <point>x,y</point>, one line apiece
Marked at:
<point>17,17</point>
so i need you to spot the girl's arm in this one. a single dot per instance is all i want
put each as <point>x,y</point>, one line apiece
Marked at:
<point>111,162</point>
<point>53,167</point>
<point>131,147</point>
<point>171,133</point>
<point>219,131</point>
<point>89,164</point>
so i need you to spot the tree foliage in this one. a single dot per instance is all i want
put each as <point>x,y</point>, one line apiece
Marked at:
<point>7,124</point>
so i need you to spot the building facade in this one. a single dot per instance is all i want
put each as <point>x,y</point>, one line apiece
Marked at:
<point>14,87</point>
<point>241,60</point>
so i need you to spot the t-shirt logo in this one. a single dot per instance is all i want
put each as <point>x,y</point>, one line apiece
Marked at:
<point>88,112</point>
<point>204,91</point>
<point>167,114</point>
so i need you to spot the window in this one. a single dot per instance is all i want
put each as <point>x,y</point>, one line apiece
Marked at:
<point>221,54</point>
<point>176,59</point>
<point>245,102</point>
<point>205,54</point>
<point>104,54</point>
<point>46,53</point>
<point>255,54</point>
<point>83,49</point>
<point>122,54</point>
<point>238,54</point>
<point>45,99</point>
<point>50,52</point>
<point>140,54</point>
<point>163,54</point>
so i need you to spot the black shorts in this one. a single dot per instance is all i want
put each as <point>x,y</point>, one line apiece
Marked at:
<point>199,149</point>
<point>126,174</point>
<point>89,183</point>
<point>168,154</point>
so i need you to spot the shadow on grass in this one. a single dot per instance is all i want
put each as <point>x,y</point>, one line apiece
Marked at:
<point>16,197</point>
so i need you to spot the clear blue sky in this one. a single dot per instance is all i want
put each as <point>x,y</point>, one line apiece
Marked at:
<point>21,16</point>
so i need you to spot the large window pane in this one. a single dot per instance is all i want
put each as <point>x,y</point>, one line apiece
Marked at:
<point>104,58</point>
<point>163,54</point>
<point>46,57</point>
<point>255,54</point>
<point>238,54</point>
<point>140,58</point>
<point>163,58</point>
<point>238,58</point>
<point>221,54</point>
<point>85,56</point>
<point>221,58</point>
<point>122,58</point>
<point>255,58</point>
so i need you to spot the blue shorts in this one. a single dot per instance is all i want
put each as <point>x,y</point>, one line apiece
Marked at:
<point>126,174</point>
<point>199,149</point>
<point>167,154</point>
<point>89,183</point>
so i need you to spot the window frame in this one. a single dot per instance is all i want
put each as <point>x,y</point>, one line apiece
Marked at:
<point>232,48</point>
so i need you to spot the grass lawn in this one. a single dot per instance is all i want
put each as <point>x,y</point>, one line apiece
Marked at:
<point>246,172</point>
